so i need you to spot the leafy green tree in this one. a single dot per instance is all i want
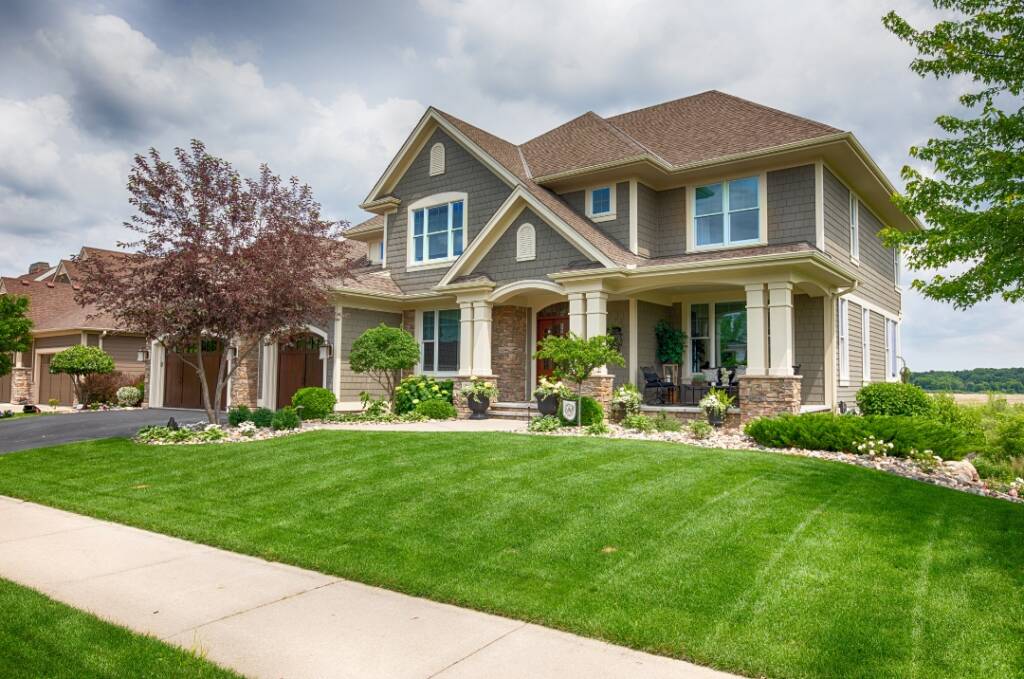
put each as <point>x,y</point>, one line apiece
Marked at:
<point>15,330</point>
<point>974,203</point>
<point>383,353</point>
<point>575,358</point>
<point>671,342</point>
<point>80,361</point>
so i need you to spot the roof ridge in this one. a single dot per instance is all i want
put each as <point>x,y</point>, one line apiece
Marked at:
<point>776,110</point>
<point>664,103</point>
<point>526,165</point>
<point>637,142</point>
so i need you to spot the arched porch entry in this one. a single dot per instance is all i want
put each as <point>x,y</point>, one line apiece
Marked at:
<point>551,320</point>
<point>298,365</point>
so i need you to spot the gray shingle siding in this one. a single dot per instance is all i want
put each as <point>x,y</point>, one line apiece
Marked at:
<point>554,253</point>
<point>671,223</point>
<point>837,217</point>
<point>809,346</point>
<point>617,228</point>
<point>647,220</point>
<point>354,322</point>
<point>877,340</point>
<point>486,192</point>
<point>791,205</point>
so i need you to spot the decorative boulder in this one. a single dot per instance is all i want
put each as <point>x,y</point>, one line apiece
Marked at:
<point>961,470</point>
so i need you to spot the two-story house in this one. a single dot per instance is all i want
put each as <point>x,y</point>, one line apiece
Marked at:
<point>754,231</point>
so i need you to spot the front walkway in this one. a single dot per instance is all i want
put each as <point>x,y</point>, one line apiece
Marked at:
<point>266,619</point>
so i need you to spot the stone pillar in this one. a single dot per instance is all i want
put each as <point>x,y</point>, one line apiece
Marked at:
<point>757,331</point>
<point>21,385</point>
<point>768,395</point>
<point>508,351</point>
<point>599,387</point>
<point>577,314</point>
<point>245,380</point>
<point>780,317</point>
<point>481,339</point>
<point>465,339</point>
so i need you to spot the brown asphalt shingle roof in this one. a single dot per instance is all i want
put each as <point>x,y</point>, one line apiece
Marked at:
<point>374,223</point>
<point>52,306</point>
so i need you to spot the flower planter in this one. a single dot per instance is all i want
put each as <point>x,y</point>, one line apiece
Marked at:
<point>479,406</point>
<point>716,418</point>
<point>548,405</point>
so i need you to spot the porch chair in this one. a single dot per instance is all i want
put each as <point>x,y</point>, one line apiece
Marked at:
<point>654,381</point>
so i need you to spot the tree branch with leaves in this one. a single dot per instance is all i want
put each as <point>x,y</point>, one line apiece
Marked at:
<point>575,359</point>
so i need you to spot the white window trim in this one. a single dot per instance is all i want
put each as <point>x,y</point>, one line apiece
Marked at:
<point>892,350</point>
<point>843,321</point>
<point>420,368</point>
<point>762,214</point>
<point>854,226</point>
<point>612,207</point>
<point>526,255</point>
<point>437,168</point>
<point>431,201</point>
<point>865,344</point>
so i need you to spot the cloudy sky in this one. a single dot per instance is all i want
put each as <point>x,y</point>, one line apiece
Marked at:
<point>329,90</point>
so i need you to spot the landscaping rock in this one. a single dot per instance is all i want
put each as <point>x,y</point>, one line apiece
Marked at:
<point>962,470</point>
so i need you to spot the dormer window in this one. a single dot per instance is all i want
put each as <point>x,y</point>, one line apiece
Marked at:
<point>601,203</point>
<point>437,228</point>
<point>375,251</point>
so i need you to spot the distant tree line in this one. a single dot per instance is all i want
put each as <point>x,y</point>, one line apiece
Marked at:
<point>1004,380</point>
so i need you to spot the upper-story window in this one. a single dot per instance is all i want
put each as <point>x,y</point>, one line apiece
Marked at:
<point>727,213</point>
<point>375,251</point>
<point>437,228</point>
<point>601,203</point>
<point>854,226</point>
<point>437,159</point>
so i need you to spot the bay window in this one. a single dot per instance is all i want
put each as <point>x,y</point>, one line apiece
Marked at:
<point>437,232</point>
<point>727,213</point>
<point>439,351</point>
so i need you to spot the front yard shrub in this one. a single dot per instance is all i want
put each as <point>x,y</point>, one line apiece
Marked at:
<point>262,417</point>
<point>665,423</point>
<point>640,423</point>
<point>1010,436</point>
<point>103,387</point>
<point>590,412</point>
<point>82,361</point>
<point>208,433</point>
<point>844,433</point>
<point>239,414</point>
<point>383,353</point>
<point>627,399</point>
<point>415,389</point>
<point>285,418</point>
<point>945,409</point>
<point>893,398</point>
<point>545,423</point>
<point>129,396</point>
<point>597,429</point>
<point>701,429</point>
<point>314,403</point>
<point>436,409</point>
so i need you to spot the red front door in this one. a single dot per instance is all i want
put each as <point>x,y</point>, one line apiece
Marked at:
<point>549,325</point>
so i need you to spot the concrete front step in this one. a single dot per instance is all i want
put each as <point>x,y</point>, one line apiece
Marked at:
<point>513,411</point>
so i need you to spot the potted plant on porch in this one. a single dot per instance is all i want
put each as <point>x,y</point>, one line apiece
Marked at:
<point>547,393</point>
<point>576,358</point>
<point>478,394</point>
<point>716,404</point>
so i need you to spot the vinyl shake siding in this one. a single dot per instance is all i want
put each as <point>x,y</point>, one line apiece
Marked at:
<point>617,228</point>
<point>809,346</point>
<point>553,253</point>
<point>791,205</point>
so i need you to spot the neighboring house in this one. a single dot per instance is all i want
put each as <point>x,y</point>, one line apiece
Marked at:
<point>753,230</point>
<point>58,323</point>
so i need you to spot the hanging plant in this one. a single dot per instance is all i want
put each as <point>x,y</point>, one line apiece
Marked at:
<point>671,342</point>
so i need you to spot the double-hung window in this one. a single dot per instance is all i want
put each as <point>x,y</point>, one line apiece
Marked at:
<point>440,341</point>
<point>437,232</point>
<point>601,203</point>
<point>844,340</point>
<point>854,226</point>
<point>727,213</point>
<point>700,338</point>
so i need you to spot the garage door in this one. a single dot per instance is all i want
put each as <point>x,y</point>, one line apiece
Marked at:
<point>54,386</point>
<point>5,388</point>
<point>182,388</point>
<point>298,366</point>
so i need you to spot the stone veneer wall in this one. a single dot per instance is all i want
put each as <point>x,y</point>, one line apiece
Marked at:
<point>599,387</point>
<point>21,385</point>
<point>509,326</point>
<point>764,396</point>
<point>245,381</point>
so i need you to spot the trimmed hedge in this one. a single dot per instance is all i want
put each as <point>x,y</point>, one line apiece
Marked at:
<point>262,417</point>
<point>285,418</point>
<point>314,403</point>
<point>842,433</point>
<point>590,412</point>
<point>436,409</point>
<point>237,416</point>
<point>893,398</point>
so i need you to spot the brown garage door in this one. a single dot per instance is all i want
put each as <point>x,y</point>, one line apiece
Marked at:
<point>5,388</point>
<point>298,366</point>
<point>182,388</point>
<point>54,386</point>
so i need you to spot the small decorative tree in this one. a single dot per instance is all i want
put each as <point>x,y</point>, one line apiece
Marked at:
<point>383,353</point>
<point>671,343</point>
<point>15,330</point>
<point>78,362</point>
<point>575,358</point>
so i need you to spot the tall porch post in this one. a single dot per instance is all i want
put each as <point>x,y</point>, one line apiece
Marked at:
<point>577,314</point>
<point>465,338</point>
<point>597,319</point>
<point>481,339</point>
<point>757,330</point>
<point>780,316</point>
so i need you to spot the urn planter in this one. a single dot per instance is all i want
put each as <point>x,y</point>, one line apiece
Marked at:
<point>715,417</point>
<point>479,406</point>
<point>547,405</point>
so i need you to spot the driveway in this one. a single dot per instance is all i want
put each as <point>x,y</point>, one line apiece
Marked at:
<point>49,430</point>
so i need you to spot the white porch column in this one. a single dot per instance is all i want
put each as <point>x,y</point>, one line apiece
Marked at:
<point>156,375</point>
<point>339,312</point>
<point>577,314</point>
<point>597,319</point>
<point>481,339</point>
<point>757,330</point>
<point>780,317</point>
<point>465,338</point>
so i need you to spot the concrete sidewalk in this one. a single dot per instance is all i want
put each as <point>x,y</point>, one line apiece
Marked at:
<point>266,619</point>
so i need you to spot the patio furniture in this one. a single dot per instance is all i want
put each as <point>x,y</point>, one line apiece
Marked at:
<point>653,381</point>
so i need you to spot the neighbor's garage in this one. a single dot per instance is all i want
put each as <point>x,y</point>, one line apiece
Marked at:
<point>5,388</point>
<point>54,387</point>
<point>182,388</point>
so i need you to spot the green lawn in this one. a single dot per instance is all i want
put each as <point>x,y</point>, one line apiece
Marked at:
<point>752,562</point>
<point>40,637</point>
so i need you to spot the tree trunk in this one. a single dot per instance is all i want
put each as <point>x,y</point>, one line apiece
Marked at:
<point>200,367</point>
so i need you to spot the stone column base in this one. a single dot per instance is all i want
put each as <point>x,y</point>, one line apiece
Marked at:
<point>460,401</point>
<point>21,385</point>
<point>599,387</point>
<point>245,379</point>
<point>768,395</point>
